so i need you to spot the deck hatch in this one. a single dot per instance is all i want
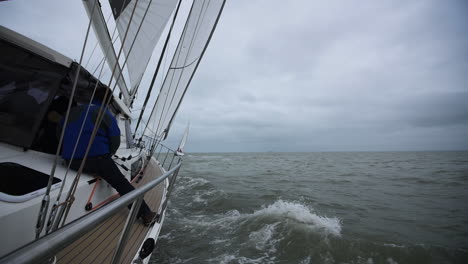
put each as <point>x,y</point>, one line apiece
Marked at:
<point>20,183</point>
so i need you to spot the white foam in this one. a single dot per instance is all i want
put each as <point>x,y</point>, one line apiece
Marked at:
<point>218,221</point>
<point>203,197</point>
<point>198,199</point>
<point>394,245</point>
<point>228,258</point>
<point>302,214</point>
<point>176,260</point>
<point>195,181</point>
<point>166,236</point>
<point>263,238</point>
<point>281,209</point>
<point>305,261</point>
<point>196,221</point>
<point>234,214</point>
<point>391,261</point>
<point>260,260</point>
<point>219,241</point>
<point>190,183</point>
<point>227,218</point>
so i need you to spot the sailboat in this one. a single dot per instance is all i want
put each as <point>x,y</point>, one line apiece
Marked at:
<point>180,149</point>
<point>50,213</point>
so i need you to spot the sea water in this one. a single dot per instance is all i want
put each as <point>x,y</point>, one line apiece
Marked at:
<point>354,207</point>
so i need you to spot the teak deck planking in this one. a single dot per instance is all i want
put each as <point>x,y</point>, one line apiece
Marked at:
<point>97,246</point>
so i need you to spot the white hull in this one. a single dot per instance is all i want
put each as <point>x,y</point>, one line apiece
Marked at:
<point>18,220</point>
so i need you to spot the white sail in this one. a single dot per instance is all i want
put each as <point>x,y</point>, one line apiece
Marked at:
<point>180,149</point>
<point>144,30</point>
<point>197,33</point>
<point>105,42</point>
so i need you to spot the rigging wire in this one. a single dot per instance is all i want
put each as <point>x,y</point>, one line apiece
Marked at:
<point>178,54</point>
<point>52,223</point>
<point>161,85</point>
<point>138,31</point>
<point>203,51</point>
<point>157,68</point>
<point>104,57</point>
<point>157,139</point>
<point>95,46</point>
<point>99,119</point>
<point>45,201</point>
<point>197,30</point>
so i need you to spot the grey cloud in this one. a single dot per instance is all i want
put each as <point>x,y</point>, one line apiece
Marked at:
<point>350,77</point>
<point>316,76</point>
<point>439,110</point>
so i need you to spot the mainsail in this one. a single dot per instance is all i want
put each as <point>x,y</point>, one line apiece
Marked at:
<point>144,29</point>
<point>196,35</point>
<point>105,42</point>
<point>140,23</point>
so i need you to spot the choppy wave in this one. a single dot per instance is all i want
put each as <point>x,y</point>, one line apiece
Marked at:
<point>281,211</point>
<point>263,238</point>
<point>288,208</point>
<point>261,232</point>
<point>190,183</point>
<point>234,258</point>
<point>302,214</point>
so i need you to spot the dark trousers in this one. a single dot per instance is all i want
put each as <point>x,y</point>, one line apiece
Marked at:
<point>106,168</point>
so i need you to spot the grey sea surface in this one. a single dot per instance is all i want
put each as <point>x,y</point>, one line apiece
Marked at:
<point>332,207</point>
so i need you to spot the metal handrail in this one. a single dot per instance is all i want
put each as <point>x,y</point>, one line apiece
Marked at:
<point>166,155</point>
<point>47,246</point>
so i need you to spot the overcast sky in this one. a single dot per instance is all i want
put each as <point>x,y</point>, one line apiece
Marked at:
<point>310,75</point>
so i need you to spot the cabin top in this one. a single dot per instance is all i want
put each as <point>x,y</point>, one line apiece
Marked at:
<point>34,46</point>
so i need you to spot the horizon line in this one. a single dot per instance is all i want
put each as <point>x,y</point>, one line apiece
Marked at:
<point>319,151</point>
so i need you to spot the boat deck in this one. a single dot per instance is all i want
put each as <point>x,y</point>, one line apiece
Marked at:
<point>98,245</point>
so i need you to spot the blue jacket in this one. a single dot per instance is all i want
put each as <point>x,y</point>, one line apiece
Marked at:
<point>107,139</point>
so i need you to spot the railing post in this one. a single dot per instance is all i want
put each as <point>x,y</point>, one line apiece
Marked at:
<point>126,230</point>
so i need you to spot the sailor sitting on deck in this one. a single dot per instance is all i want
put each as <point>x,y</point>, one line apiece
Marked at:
<point>106,142</point>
